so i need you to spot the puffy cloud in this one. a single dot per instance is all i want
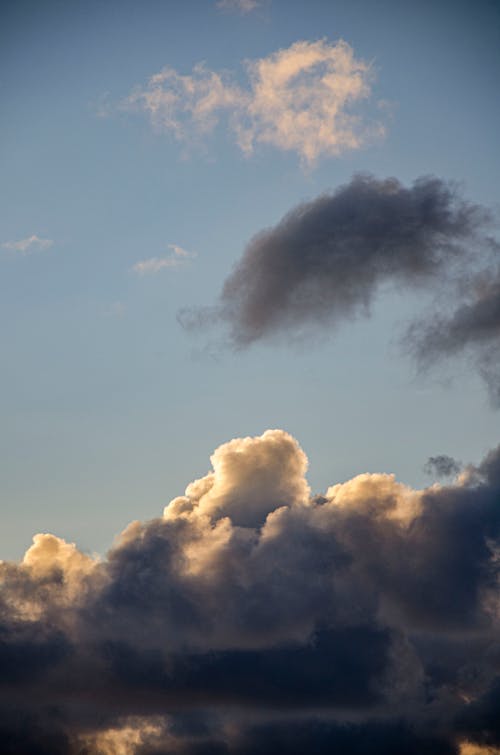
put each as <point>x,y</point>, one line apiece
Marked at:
<point>32,243</point>
<point>299,99</point>
<point>255,616</point>
<point>327,258</point>
<point>252,477</point>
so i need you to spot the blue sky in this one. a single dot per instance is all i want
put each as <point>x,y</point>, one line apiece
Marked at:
<point>109,408</point>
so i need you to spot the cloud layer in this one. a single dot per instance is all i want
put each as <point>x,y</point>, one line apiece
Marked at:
<point>254,616</point>
<point>299,99</point>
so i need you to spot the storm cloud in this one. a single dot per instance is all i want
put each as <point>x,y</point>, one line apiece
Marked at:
<point>254,616</point>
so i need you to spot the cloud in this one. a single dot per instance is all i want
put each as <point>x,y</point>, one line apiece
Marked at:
<point>240,6</point>
<point>442,466</point>
<point>32,243</point>
<point>298,99</point>
<point>153,265</point>
<point>471,328</point>
<point>254,616</point>
<point>326,259</point>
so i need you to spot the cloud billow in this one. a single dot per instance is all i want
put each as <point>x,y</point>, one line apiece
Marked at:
<point>255,617</point>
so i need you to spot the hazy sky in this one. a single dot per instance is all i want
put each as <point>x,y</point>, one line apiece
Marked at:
<point>250,271</point>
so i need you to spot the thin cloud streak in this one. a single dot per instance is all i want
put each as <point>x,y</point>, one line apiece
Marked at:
<point>153,265</point>
<point>29,244</point>
<point>300,99</point>
<point>239,6</point>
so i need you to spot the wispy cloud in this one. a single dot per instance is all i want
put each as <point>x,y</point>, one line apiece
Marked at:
<point>298,99</point>
<point>239,6</point>
<point>29,244</point>
<point>153,265</point>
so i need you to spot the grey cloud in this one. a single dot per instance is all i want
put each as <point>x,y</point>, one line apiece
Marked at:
<point>472,328</point>
<point>326,259</point>
<point>362,620</point>
<point>442,466</point>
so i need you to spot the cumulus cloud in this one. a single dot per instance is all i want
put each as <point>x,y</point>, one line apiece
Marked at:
<point>327,258</point>
<point>300,99</point>
<point>254,616</point>
<point>178,258</point>
<point>29,244</point>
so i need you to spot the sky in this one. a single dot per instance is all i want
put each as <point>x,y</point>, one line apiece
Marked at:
<point>222,219</point>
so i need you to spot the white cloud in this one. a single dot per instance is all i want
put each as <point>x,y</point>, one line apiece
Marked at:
<point>153,265</point>
<point>32,243</point>
<point>297,99</point>
<point>241,6</point>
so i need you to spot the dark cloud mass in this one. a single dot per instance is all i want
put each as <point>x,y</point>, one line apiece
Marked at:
<point>326,260</point>
<point>253,617</point>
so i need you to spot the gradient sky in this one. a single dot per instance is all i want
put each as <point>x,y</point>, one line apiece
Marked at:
<point>109,407</point>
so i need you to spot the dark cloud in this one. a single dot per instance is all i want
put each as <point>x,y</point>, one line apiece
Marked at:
<point>363,620</point>
<point>472,328</point>
<point>442,466</point>
<point>326,259</point>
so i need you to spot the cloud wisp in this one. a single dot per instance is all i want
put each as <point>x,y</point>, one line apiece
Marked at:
<point>178,258</point>
<point>254,616</point>
<point>239,6</point>
<point>30,244</point>
<point>327,259</point>
<point>301,99</point>
<point>471,328</point>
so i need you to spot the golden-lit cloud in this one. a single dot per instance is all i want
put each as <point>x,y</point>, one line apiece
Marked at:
<point>300,99</point>
<point>469,748</point>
